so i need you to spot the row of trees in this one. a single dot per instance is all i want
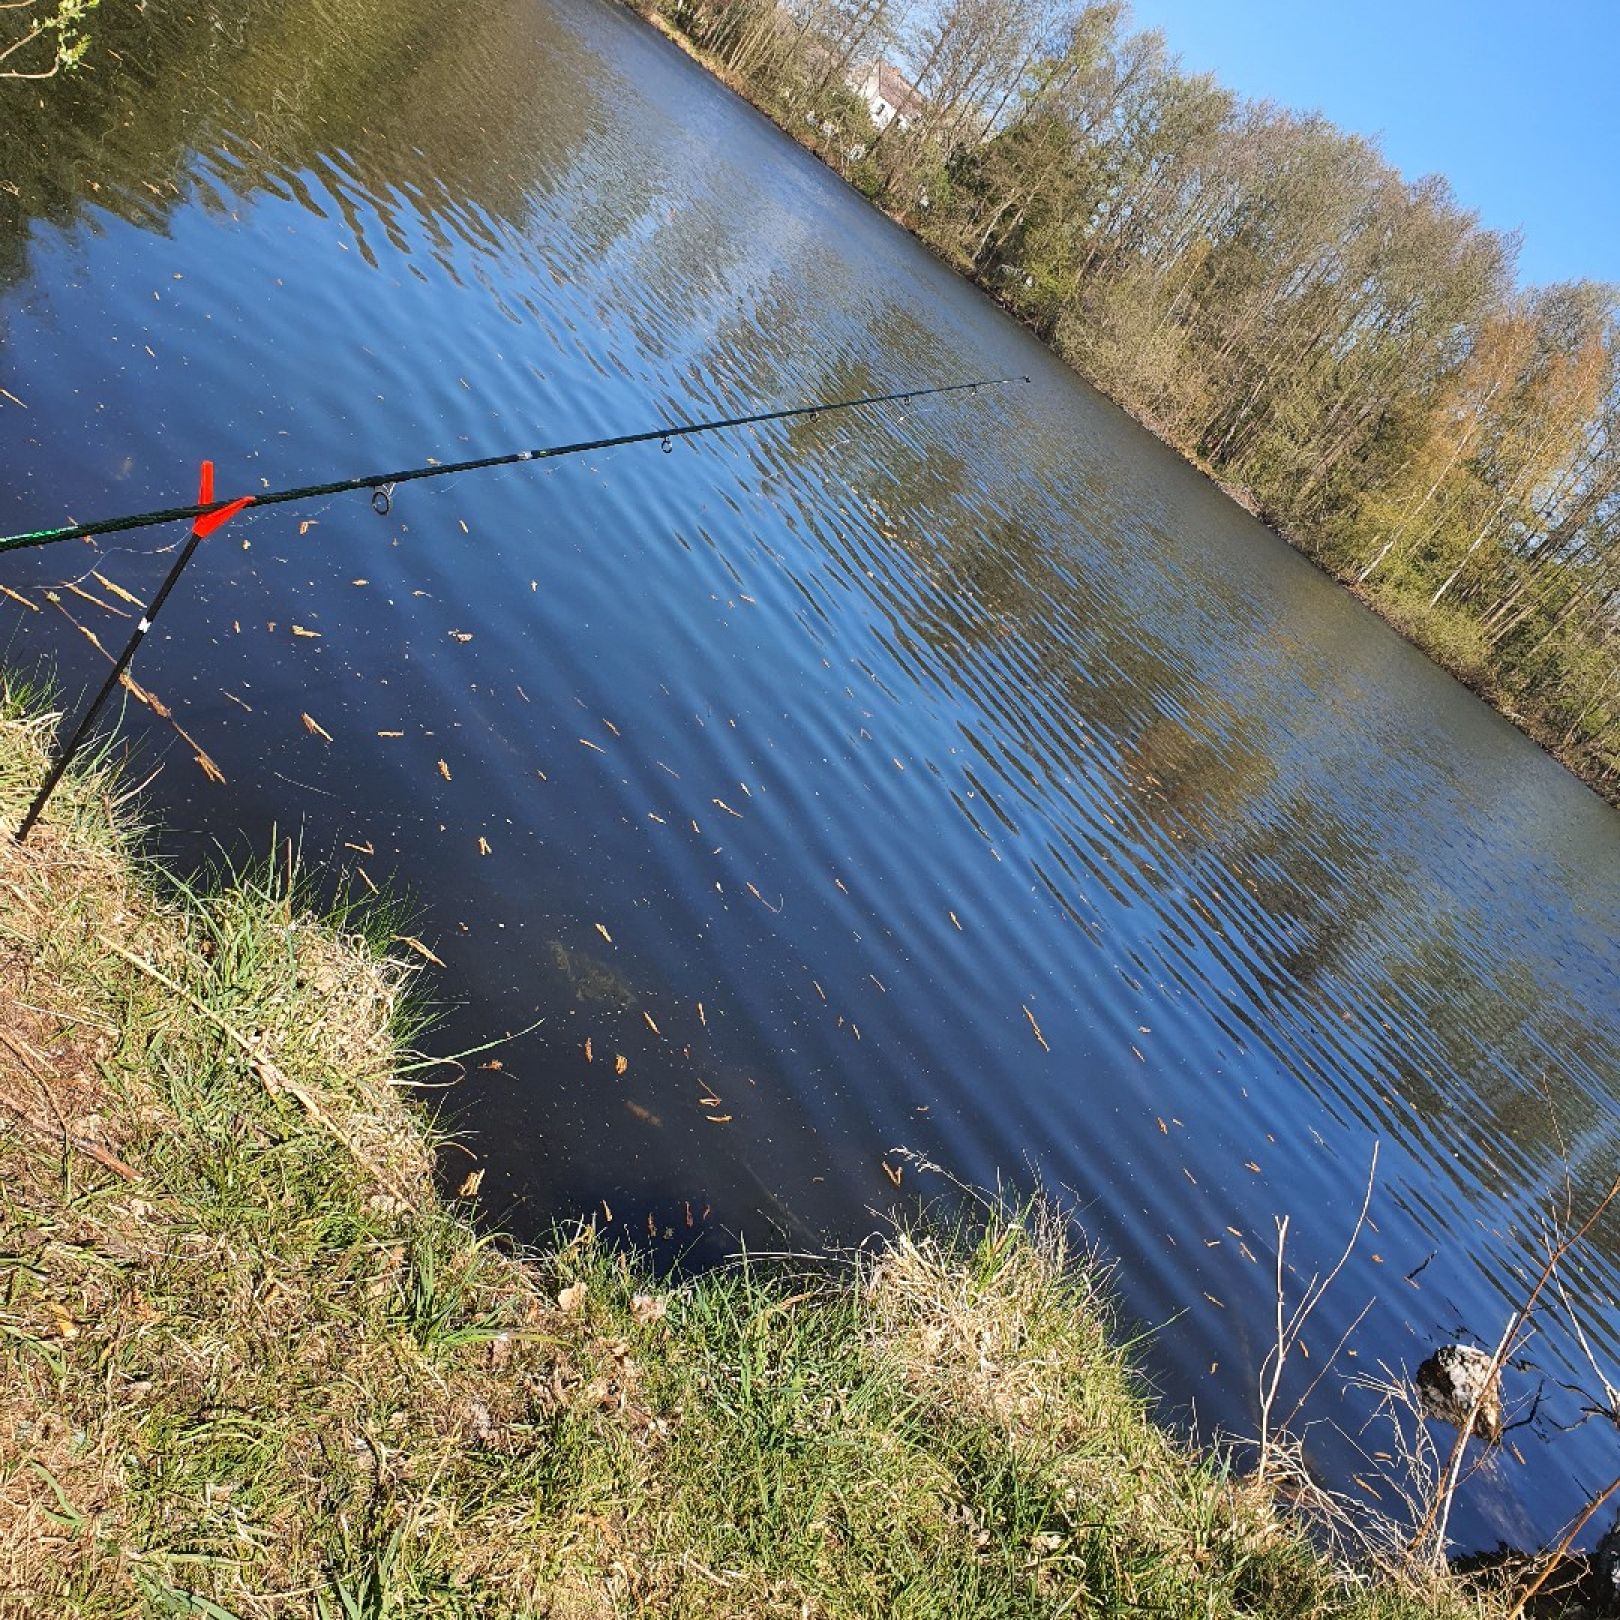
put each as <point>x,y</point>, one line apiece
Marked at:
<point>1348,351</point>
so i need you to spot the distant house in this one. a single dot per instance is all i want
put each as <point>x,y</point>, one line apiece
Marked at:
<point>888,95</point>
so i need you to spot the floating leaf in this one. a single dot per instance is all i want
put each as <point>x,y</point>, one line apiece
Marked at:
<point>890,1171</point>
<point>417,946</point>
<point>117,590</point>
<point>314,727</point>
<point>309,635</point>
<point>470,1184</point>
<point>1037,1028</point>
<point>604,933</point>
<point>483,846</point>
<point>444,770</point>
<point>620,1063</point>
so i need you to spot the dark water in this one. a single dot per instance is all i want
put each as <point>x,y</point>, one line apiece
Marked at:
<point>973,779</point>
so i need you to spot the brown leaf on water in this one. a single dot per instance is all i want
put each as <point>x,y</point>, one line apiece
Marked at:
<point>952,916</point>
<point>702,1016</point>
<point>890,1171</point>
<point>483,846</point>
<point>460,635</point>
<point>209,768</point>
<point>1037,1028</point>
<point>727,808</point>
<point>367,848</point>
<point>592,746</point>
<point>307,525</point>
<point>1164,1130</point>
<point>718,1119</point>
<point>471,1182</point>
<point>6,590</point>
<point>590,1057</point>
<point>1249,1164</point>
<point>95,601</point>
<point>444,770</point>
<point>650,1024</point>
<point>417,946</point>
<point>117,589</point>
<point>604,933</point>
<point>308,635</point>
<point>314,727</point>
<point>620,1063</point>
<point>141,695</point>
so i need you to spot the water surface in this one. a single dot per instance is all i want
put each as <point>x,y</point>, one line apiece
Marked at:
<point>973,779</point>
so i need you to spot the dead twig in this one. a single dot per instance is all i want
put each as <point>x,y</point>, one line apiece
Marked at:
<point>92,1150</point>
<point>1288,1330</point>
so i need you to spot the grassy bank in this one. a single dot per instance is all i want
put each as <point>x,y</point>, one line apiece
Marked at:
<point>251,1364</point>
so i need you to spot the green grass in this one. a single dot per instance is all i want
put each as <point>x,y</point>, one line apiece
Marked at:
<point>274,1374</point>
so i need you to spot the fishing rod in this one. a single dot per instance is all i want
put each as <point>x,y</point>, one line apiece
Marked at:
<point>382,485</point>
<point>208,515</point>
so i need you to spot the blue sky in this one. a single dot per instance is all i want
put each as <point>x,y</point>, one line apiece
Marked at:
<point>1516,102</point>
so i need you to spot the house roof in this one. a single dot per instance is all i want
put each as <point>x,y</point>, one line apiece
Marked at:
<point>899,92</point>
